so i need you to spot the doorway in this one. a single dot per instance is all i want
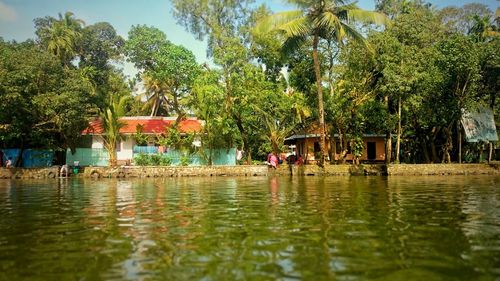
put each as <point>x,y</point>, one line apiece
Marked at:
<point>371,150</point>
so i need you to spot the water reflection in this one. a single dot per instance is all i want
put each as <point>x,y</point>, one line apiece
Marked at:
<point>398,228</point>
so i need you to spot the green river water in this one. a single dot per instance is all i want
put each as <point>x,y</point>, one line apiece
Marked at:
<point>255,228</point>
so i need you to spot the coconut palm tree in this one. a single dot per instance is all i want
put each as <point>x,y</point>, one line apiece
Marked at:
<point>313,20</point>
<point>63,36</point>
<point>111,124</point>
<point>483,28</point>
<point>155,92</point>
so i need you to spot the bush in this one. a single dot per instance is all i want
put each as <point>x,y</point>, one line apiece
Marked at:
<point>154,159</point>
<point>184,160</point>
<point>141,159</point>
<point>165,160</point>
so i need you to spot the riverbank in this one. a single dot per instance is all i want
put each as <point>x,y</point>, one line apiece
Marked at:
<point>258,170</point>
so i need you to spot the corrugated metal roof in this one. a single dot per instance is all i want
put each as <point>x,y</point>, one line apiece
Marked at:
<point>307,136</point>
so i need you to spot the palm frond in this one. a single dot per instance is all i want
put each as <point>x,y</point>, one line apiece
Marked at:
<point>295,28</point>
<point>331,24</point>
<point>292,43</point>
<point>342,11</point>
<point>273,21</point>
<point>352,33</point>
<point>363,16</point>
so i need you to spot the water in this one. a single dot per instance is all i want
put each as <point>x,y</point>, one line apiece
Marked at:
<point>312,228</point>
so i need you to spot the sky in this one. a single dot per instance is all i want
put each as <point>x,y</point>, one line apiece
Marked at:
<point>16,17</point>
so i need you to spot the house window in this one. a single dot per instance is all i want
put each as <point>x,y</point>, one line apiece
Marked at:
<point>118,146</point>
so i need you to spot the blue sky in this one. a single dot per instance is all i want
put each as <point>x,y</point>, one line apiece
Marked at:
<point>16,16</point>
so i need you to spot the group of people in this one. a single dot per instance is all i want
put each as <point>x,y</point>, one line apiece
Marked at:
<point>273,160</point>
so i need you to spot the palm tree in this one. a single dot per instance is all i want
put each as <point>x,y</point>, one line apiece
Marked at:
<point>111,124</point>
<point>483,28</point>
<point>317,19</point>
<point>155,94</point>
<point>63,36</point>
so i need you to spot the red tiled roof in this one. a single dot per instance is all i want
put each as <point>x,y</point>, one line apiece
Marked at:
<point>150,125</point>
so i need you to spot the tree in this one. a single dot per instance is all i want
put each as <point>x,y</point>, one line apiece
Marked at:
<point>312,21</point>
<point>462,19</point>
<point>99,47</point>
<point>111,124</point>
<point>60,36</point>
<point>207,101</point>
<point>42,103</point>
<point>459,63</point>
<point>168,70</point>
<point>224,24</point>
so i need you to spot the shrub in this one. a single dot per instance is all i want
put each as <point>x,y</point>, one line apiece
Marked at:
<point>155,159</point>
<point>184,160</point>
<point>144,159</point>
<point>141,159</point>
<point>165,160</point>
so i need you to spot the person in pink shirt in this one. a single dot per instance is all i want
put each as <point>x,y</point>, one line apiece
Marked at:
<point>273,160</point>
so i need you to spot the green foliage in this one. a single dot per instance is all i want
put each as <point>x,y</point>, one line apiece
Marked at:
<point>61,37</point>
<point>168,70</point>
<point>42,104</point>
<point>165,160</point>
<point>112,124</point>
<point>143,159</point>
<point>185,160</point>
<point>140,138</point>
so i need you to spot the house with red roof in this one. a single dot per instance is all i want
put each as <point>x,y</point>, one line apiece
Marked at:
<point>149,126</point>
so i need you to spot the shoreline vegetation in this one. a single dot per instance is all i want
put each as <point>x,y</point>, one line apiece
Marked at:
<point>492,168</point>
<point>408,72</point>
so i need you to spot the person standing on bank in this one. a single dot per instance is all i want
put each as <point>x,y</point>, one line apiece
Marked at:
<point>273,160</point>
<point>8,163</point>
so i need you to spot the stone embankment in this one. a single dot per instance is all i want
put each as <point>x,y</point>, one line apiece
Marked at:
<point>258,170</point>
<point>31,173</point>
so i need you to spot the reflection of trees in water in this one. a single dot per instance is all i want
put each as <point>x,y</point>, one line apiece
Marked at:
<point>251,228</point>
<point>480,224</point>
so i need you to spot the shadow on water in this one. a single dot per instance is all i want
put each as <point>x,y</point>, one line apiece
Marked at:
<point>312,228</point>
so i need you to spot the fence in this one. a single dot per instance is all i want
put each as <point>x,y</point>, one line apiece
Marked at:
<point>145,149</point>
<point>100,156</point>
<point>221,156</point>
<point>88,157</point>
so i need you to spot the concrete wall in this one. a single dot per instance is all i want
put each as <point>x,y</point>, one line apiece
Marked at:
<point>97,142</point>
<point>123,153</point>
<point>126,149</point>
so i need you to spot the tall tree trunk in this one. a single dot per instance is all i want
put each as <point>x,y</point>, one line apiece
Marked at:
<point>490,154</point>
<point>317,72</point>
<point>333,149</point>
<point>244,137</point>
<point>448,145</point>
<point>434,154</point>
<point>427,159</point>
<point>388,137</point>
<point>388,147</point>
<point>459,133</point>
<point>398,140</point>
<point>178,110</point>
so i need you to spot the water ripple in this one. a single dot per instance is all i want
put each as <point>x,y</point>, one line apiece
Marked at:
<point>398,228</point>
